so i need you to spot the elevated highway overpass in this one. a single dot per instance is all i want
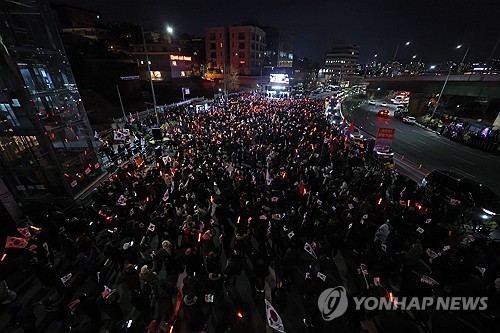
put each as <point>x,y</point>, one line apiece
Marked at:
<point>487,85</point>
<point>484,86</point>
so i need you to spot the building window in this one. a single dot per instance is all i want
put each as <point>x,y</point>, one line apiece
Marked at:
<point>213,55</point>
<point>241,55</point>
<point>241,35</point>
<point>241,46</point>
<point>211,36</point>
<point>212,46</point>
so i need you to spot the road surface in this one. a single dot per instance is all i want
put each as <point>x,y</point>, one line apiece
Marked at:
<point>419,151</point>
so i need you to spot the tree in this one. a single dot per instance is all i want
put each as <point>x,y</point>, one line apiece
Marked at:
<point>232,79</point>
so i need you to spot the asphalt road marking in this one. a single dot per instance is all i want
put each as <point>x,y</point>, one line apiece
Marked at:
<point>398,130</point>
<point>424,143</point>
<point>463,172</point>
<point>463,160</point>
<point>408,165</point>
<point>415,149</point>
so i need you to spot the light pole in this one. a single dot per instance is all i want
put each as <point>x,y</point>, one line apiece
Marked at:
<point>121,103</point>
<point>397,49</point>
<point>462,63</point>
<point>441,93</point>
<point>149,76</point>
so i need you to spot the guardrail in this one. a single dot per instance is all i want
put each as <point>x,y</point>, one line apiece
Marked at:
<point>162,108</point>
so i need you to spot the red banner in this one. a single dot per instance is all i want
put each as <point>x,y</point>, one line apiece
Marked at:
<point>384,139</point>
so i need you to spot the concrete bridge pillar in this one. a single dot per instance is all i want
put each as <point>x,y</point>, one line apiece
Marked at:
<point>496,123</point>
<point>419,103</point>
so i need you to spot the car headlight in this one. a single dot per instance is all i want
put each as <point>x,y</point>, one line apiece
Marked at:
<point>485,217</point>
<point>489,212</point>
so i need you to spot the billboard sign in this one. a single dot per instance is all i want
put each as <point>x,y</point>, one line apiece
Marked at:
<point>279,78</point>
<point>384,139</point>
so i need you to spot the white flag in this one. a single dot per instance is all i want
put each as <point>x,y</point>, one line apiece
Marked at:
<point>321,276</point>
<point>268,178</point>
<point>66,278</point>
<point>273,318</point>
<point>166,195</point>
<point>308,248</point>
<point>118,136</point>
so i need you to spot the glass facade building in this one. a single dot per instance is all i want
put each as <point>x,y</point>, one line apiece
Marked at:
<point>47,147</point>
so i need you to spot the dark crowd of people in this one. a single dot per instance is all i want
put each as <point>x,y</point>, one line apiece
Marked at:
<point>255,187</point>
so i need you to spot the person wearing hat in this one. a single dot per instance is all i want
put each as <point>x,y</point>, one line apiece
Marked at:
<point>192,261</point>
<point>165,255</point>
<point>149,278</point>
<point>193,311</point>
<point>214,284</point>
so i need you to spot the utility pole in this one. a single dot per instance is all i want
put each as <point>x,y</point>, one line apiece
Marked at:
<point>121,103</point>
<point>149,76</point>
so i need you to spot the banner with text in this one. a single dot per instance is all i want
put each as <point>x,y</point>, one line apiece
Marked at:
<point>384,139</point>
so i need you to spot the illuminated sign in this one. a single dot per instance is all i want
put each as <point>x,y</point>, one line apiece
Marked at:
<point>180,57</point>
<point>279,78</point>
<point>384,140</point>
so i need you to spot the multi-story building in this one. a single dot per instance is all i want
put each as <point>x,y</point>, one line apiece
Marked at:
<point>340,63</point>
<point>47,148</point>
<point>216,48</point>
<point>246,49</point>
<point>240,48</point>
<point>279,48</point>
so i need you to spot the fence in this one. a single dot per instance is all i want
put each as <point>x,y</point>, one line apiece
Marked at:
<point>160,108</point>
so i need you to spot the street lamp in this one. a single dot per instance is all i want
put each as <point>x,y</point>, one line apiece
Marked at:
<point>170,30</point>
<point>441,93</point>
<point>462,63</point>
<point>397,49</point>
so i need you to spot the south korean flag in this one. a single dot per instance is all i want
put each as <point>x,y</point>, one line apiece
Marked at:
<point>273,318</point>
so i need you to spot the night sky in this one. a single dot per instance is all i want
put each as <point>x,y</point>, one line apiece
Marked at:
<point>434,27</point>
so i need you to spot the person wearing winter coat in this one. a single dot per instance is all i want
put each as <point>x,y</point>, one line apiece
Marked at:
<point>131,278</point>
<point>383,232</point>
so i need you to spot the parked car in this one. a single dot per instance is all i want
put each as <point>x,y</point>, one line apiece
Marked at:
<point>482,203</point>
<point>372,102</point>
<point>383,104</point>
<point>409,120</point>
